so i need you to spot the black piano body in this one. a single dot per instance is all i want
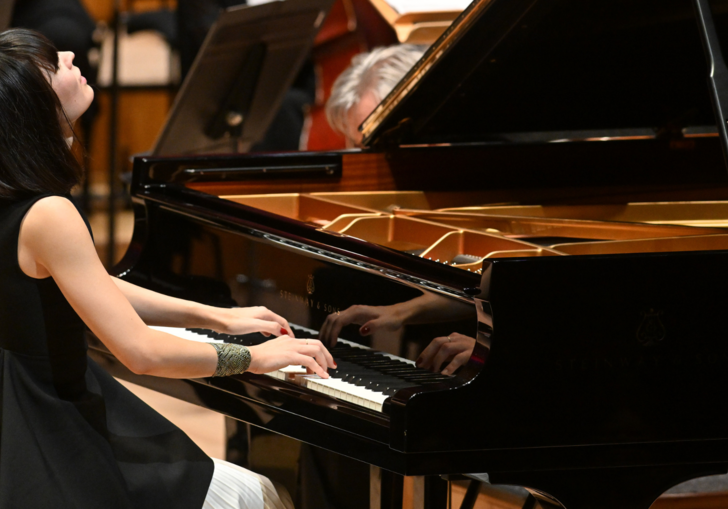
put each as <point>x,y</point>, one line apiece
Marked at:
<point>589,273</point>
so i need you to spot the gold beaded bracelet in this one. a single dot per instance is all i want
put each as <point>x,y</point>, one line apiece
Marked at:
<point>231,359</point>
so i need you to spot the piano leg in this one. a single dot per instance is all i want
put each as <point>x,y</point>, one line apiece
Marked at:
<point>471,495</point>
<point>385,489</point>
<point>430,492</point>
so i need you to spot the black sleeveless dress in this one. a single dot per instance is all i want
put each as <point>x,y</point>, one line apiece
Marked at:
<point>70,435</point>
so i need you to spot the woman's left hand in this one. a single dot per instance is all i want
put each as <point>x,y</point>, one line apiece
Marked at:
<point>253,319</point>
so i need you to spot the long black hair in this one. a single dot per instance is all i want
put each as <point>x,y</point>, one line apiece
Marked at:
<point>34,155</point>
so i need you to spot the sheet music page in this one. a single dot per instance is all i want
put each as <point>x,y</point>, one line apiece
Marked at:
<point>406,6</point>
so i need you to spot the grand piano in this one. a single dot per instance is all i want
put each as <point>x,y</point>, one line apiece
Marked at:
<point>548,181</point>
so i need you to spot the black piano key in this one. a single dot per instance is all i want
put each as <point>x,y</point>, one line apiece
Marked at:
<point>398,370</point>
<point>354,374</point>
<point>424,379</point>
<point>367,379</point>
<point>381,385</point>
<point>381,364</point>
<point>353,354</point>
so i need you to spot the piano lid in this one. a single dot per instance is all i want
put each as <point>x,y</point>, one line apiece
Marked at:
<point>545,70</point>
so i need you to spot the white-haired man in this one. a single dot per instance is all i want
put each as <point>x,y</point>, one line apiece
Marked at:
<point>363,85</point>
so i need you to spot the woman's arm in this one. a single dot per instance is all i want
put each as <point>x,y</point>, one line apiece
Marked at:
<point>54,241</point>
<point>158,309</point>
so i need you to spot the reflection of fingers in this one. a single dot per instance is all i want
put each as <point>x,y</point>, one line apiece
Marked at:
<point>428,354</point>
<point>459,360</point>
<point>368,328</point>
<point>326,335</point>
<point>335,331</point>
<point>323,334</point>
<point>443,354</point>
<point>425,360</point>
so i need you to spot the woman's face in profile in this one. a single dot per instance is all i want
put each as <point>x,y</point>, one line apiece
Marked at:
<point>70,87</point>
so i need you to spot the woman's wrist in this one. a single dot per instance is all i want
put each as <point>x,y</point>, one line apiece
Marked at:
<point>210,317</point>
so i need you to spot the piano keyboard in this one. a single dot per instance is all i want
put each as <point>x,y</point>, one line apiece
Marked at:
<point>364,377</point>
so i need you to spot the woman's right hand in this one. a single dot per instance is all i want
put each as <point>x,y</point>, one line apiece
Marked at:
<point>284,350</point>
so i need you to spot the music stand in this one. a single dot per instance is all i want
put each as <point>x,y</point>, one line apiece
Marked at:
<point>249,59</point>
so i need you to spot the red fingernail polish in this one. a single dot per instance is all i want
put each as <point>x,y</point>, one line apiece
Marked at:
<point>284,331</point>
<point>365,330</point>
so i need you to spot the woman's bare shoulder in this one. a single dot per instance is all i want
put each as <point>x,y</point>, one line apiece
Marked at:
<point>54,220</point>
<point>53,204</point>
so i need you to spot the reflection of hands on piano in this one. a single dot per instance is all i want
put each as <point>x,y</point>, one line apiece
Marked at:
<point>247,320</point>
<point>452,352</point>
<point>371,319</point>
<point>285,351</point>
<point>427,308</point>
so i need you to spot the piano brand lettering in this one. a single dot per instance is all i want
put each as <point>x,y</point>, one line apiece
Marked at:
<point>651,331</point>
<point>314,304</point>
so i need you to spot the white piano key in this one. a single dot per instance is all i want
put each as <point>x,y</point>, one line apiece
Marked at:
<point>337,388</point>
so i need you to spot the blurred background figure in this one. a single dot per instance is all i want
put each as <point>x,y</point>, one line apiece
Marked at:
<point>367,81</point>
